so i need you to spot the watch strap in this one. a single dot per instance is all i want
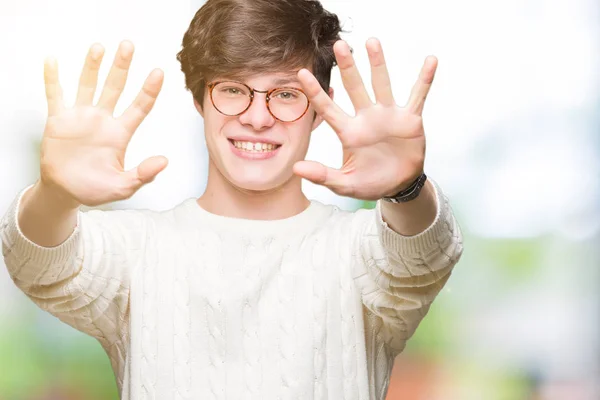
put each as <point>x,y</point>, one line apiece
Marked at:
<point>410,193</point>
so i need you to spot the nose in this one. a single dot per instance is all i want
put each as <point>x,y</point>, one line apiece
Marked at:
<point>258,115</point>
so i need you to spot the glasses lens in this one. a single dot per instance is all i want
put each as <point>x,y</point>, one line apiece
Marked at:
<point>288,104</point>
<point>230,98</point>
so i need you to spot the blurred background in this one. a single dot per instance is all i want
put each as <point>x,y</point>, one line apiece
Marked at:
<point>513,126</point>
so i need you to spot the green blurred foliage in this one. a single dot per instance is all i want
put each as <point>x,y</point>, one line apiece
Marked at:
<point>31,368</point>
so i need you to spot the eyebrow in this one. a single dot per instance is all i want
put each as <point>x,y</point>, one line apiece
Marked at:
<point>276,83</point>
<point>285,81</point>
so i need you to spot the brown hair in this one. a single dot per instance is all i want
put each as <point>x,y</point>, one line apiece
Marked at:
<point>239,38</point>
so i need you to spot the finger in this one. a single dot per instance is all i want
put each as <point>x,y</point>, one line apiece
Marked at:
<point>320,174</point>
<point>350,76</point>
<point>420,90</point>
<point>54,95</point>
<point>117,77</point>
<point>144,102</point>
<point>144,173</point>
<point>321,102</point>
<point>380,77</point>
<point>89,76</point>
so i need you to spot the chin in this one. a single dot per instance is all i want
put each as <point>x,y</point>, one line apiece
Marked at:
<point>258,183</point>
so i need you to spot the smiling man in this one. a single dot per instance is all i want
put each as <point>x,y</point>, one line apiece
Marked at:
<point>252,290</point>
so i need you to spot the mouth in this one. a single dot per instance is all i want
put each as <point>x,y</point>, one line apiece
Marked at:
<point>254,147</point>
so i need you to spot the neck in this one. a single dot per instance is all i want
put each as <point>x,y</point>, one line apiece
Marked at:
<point>223,198</point>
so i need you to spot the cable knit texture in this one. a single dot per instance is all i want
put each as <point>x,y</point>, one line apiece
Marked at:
<point>192,305</point>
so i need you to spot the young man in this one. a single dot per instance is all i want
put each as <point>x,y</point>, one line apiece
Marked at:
<point>251,291</point>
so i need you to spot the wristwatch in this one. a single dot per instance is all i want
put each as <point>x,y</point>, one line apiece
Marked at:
<point>410,193</point>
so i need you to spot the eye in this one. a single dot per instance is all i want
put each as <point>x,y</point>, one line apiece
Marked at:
<point>231,90</point>
<point>286,95</point>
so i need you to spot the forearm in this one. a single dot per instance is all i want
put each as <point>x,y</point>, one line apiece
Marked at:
<point>405,259</point>
<point>45,218</point>
<point>78,267</point>
<point>412,217</point>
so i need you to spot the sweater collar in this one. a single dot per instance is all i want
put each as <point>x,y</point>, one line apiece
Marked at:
<point>310,218</point>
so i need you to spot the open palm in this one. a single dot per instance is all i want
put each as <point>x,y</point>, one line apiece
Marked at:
<point>83,147</point>
<point>383,144</point>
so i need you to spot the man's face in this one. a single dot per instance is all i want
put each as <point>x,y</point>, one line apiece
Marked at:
<point>254,151</point>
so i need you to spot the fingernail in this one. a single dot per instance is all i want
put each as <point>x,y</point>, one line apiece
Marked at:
<point>344,49</point>
<point>96,52</point>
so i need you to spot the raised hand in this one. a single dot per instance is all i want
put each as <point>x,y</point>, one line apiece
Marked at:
<point>383,144</point>
<point>83,147</point>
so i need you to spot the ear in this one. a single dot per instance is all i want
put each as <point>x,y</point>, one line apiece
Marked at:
<point>318,119</point>
<point>199,108</point>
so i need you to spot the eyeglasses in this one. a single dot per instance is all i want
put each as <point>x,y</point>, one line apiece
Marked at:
<point>286,104</point>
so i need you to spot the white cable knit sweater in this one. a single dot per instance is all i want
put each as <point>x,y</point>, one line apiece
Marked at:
<point>191,305</point>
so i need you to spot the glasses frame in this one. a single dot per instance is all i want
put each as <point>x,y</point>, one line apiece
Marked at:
<point>212,85</point>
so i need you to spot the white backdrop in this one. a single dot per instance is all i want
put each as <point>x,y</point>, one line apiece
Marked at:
<point>511,122</point>
<point>498,118</point>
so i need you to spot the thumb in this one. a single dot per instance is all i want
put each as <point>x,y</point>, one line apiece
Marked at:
<point>150,167</point>
<point>320,174</point>
<point>146,171</point>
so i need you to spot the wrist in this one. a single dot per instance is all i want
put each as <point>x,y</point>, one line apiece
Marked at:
<point>53,197</point>
<point>409,192</point>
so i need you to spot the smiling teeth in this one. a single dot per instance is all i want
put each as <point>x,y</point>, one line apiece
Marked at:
<point>255,147</point>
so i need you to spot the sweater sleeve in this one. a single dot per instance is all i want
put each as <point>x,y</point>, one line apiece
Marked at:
<point>85,280</point>
<point>400,276</point>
